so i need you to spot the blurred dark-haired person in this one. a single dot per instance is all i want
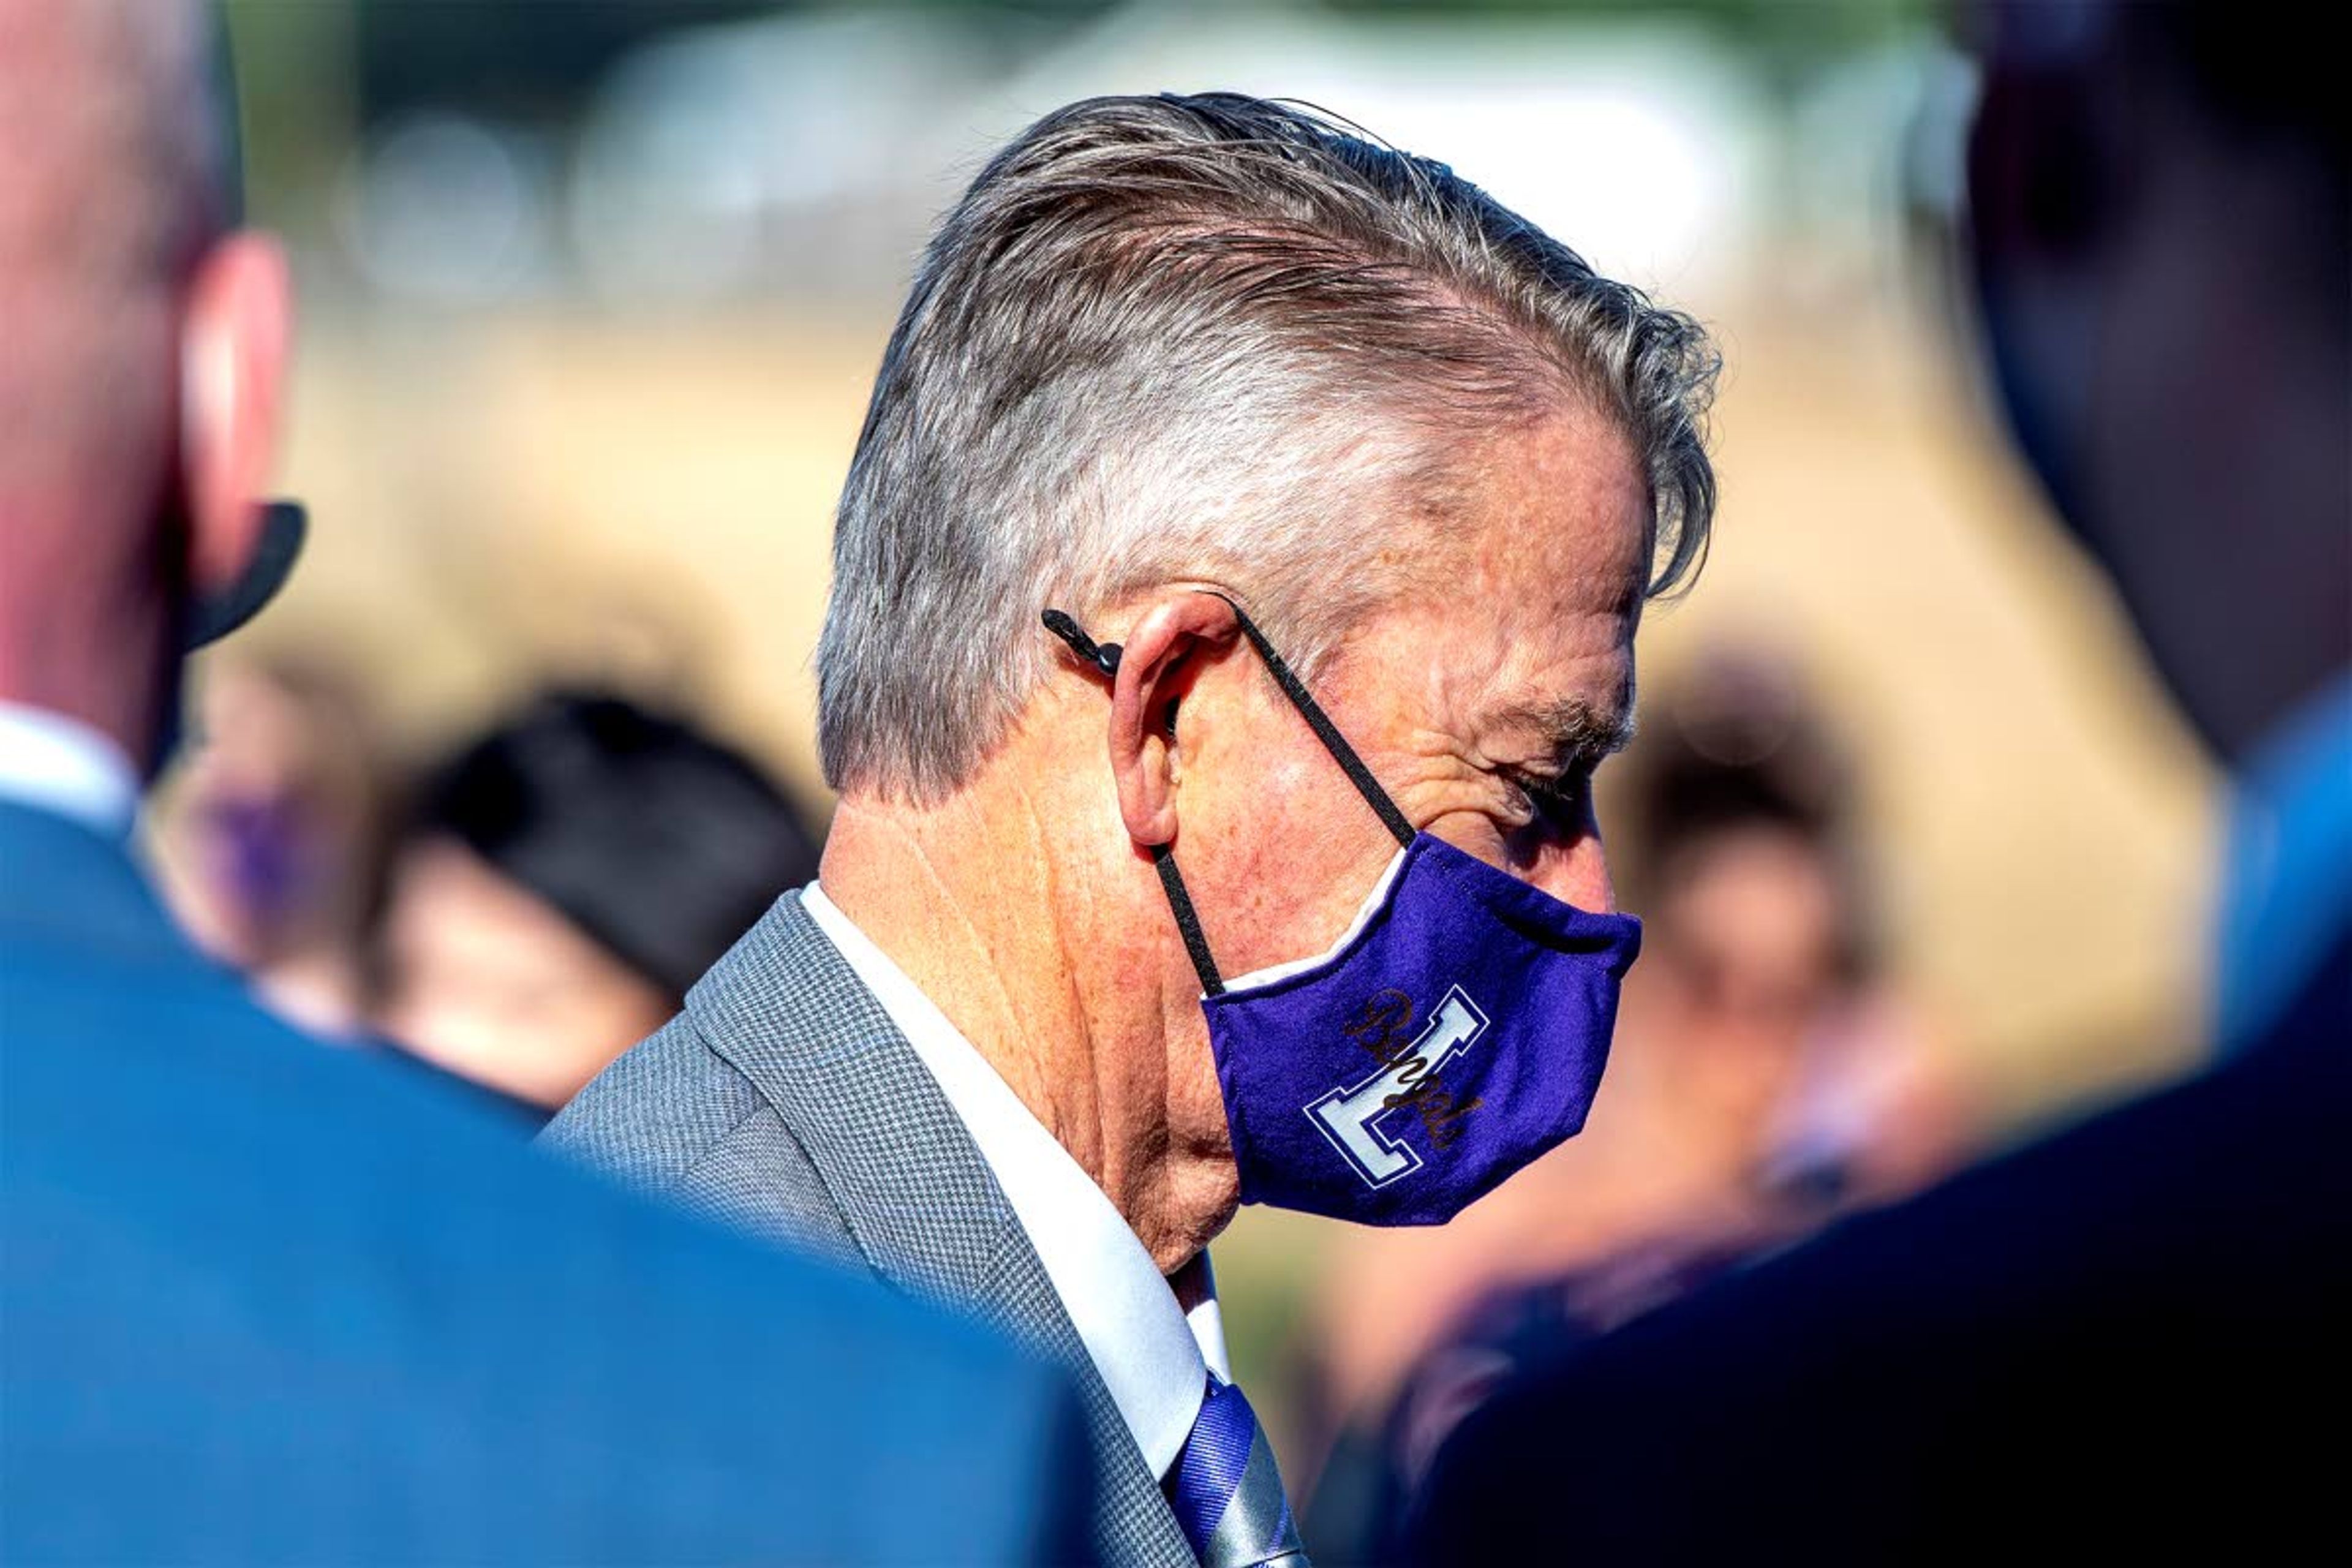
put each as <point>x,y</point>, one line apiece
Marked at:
<point>565,878</point>
<point>2126,1343</point>
<point>268,837</point>
<point>265,1303</point>
<point>1234,589</point>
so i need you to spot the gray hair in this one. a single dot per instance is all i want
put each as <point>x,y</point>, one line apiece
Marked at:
<point>1202,339</point>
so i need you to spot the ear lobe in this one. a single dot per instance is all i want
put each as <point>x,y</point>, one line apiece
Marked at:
<point>232,373</point>
<point>1156,667</point>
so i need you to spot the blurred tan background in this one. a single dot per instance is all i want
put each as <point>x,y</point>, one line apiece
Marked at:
<point>584,410</point>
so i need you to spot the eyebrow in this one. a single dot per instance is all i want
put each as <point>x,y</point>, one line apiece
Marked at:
<point>1571,731</point>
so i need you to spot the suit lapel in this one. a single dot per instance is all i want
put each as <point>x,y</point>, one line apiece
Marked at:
<point>786,1011</point>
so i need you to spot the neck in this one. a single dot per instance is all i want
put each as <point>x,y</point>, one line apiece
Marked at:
<point>118,715</point>
<point>96,648</point>
<point>974,898</point>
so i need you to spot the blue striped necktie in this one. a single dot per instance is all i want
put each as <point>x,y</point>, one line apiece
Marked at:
<point>1226,1493</point>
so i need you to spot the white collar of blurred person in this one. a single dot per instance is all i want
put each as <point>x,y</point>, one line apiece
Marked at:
<point>2286,871</point>
<point>51,762</point>
<point>1153,1355</point>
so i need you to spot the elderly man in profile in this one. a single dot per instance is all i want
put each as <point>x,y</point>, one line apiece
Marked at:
<point>1235,588</point>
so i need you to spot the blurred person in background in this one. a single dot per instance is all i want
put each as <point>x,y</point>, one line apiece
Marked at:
<point>2126,1340</point>
<point>562,881</point>
<point>1766,1076</point>
<point>1794,1075</point>
<point>1363,482</point>
<point>269,840</point>
<point>267,1302</point>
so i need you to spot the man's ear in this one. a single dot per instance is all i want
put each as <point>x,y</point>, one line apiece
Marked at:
<point>232,373</point>
<point>1156,667</point>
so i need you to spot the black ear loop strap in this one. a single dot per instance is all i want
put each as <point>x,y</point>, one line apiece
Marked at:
<point>1188,920</point>
<point>1104,657</point>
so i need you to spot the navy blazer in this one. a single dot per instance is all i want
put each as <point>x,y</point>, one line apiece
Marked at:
<point>2125,1343</point>
<point>262,1300</point>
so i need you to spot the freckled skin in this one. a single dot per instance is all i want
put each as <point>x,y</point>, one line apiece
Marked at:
<point>1541,603</point>
<point>1028,908</point>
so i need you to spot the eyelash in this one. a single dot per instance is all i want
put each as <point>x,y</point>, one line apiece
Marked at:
<point>1553,798</point>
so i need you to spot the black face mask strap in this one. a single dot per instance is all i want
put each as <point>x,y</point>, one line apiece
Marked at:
<point>1188,920</point>
<point>284,526</point>
<point>1325,731</point>
<point>1104,657</point>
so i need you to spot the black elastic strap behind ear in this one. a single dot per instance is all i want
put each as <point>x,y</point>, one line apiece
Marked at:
<point>1102,656</point>
<point>1105,658</point>
<point>1325,731</point>
<point>1188,921</point>
<point>284,526</point>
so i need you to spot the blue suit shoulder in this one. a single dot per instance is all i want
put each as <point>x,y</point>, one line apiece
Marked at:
<point>268,1300</point>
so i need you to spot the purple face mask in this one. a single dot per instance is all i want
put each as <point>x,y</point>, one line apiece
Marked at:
<point>1456,1033</point>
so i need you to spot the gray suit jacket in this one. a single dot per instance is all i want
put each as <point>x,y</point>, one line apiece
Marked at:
<point>783,1101</point>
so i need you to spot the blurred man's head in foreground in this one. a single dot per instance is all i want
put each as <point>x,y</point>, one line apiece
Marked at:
<point>2158,212</point>
<point>566,878</point>
<point>145,343</point>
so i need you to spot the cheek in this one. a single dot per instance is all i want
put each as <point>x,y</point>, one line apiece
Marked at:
<point>1279,861</point>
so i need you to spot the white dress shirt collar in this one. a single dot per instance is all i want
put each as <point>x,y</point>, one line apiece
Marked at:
<point>1152,1355</point>
<point>62,765</point>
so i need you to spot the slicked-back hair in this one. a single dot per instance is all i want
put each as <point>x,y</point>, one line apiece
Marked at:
<point>1204,339</point>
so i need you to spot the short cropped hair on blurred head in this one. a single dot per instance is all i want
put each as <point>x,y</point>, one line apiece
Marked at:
<point>1168,339</point>
<point>566,878</point>
<point>655,839</point>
